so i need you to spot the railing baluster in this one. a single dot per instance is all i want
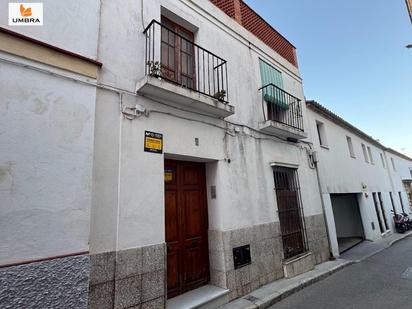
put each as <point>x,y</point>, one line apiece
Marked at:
<point>213,72</point>
<point>221,74</point>
<point>227,86</point>
<point>208,71</point>
<point>203,67</point>
<point>153,49</point>
<point>145,56</point>
<point>179,72</point>
<point>217,75</point>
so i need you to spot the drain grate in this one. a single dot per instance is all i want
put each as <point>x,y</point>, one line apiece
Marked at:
<point>252,299</point>
<point>407,274</point>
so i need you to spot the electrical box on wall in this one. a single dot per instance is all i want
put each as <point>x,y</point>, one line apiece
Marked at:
<point>213,192</point>
<point>241,256</point>
<point>315,158</point>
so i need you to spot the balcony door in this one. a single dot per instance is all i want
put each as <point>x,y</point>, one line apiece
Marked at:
<point>177,54</point>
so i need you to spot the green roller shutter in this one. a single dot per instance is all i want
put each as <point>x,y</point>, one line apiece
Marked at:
<point>270,75</point>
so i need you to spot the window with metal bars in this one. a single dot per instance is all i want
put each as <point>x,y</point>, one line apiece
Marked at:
<point>292,224</point>
<point>378,215</point>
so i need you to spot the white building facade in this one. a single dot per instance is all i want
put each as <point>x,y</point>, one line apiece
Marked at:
<point>155,155</point>
<point>363,183</point>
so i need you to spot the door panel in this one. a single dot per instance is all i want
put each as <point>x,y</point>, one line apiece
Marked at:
<point>186,226</point>
<point>172,215</point>
<point>194,266</point>
<point>191,176</point>
<point>193,214</point>
<point>173,271</point>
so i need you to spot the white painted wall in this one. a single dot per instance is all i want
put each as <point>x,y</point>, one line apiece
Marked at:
<point>46,138</point>
<point>71,25</point>
<point>130,194</point>
<point>46,148</point>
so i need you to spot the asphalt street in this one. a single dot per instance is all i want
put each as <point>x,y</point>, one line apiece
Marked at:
<point>379,282</point>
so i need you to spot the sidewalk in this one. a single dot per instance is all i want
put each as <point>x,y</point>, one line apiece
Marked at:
<point>278,290</point>
<point>369,248</point>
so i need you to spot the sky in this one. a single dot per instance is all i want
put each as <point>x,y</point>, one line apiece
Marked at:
<point>353,60</point>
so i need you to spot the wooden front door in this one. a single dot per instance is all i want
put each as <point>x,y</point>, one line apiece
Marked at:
<point>186,226</point>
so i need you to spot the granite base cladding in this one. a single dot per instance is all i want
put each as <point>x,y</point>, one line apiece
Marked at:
<point>266,254</point>
<point>56,283</point>
<point>317,237</point>
<point>266,258</point>
<point>136,278</point>
<point>133,278</point>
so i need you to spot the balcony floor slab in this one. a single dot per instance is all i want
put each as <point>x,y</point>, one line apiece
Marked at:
<point>183,98</point>
<point>281,130</point>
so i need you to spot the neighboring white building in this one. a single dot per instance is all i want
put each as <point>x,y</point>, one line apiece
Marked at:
<point>400,170</point>
<point>47,118</point>
<point>362,181</point>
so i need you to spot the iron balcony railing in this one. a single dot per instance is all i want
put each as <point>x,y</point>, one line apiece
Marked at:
<point>281,107</point>
<point>177,59</point>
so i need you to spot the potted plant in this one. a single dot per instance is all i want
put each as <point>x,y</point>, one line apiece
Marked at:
<point>220,95</point>
<point>154,68</point>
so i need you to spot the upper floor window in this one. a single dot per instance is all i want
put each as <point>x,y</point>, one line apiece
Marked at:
<point>370,155</point>
<point>393,164</point>
<point>350,147</point>
<point>365,154</point>
<point>320,127</point>
<point>177,54</point>
<point>383,161</point>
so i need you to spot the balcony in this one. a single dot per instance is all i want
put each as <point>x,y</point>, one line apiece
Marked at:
<point>283,114</point>
<point>183,74</point>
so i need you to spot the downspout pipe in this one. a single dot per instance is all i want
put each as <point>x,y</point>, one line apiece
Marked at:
<point>331,256</point>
